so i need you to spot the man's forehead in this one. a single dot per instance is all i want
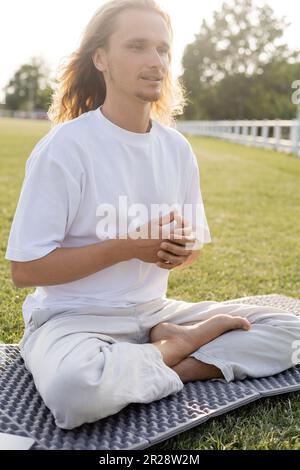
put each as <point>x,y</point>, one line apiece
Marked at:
<point>148,26</point>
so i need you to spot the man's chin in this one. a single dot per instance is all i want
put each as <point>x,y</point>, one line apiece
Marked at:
<point>149,97</point>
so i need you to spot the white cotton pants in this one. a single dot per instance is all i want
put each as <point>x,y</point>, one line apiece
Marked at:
<point>89,363</point>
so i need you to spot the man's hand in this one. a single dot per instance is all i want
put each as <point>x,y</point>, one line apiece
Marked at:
<point>171,250</point>
<point>141,244</point>
<point>170,258</point>
<point>174,253</point>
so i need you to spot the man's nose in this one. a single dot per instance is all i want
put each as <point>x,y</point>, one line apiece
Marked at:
<point>156,59</point>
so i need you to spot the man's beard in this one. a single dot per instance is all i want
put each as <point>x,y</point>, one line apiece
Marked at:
<point>146,97</point>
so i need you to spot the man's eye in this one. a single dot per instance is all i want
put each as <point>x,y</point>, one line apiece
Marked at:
<point>136,46</point>
<point>141,47</point>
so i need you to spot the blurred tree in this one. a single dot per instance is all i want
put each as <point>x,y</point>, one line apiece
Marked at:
<point>232,54</point>
<point>30,88</point>
<point>269,94</point>
<point>259,96</point>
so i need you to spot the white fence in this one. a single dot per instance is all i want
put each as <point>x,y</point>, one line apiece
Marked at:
<point>23,114</point>
<point>280,135</point>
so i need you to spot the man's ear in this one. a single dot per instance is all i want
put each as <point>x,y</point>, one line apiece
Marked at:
<point>99,59</point>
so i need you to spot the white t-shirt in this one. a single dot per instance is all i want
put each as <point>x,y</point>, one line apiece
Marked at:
<point>79,165</point>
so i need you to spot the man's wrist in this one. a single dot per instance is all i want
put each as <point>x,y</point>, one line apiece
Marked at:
<point>127,249</point>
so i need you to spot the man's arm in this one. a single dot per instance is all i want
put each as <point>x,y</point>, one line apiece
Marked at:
<point>64,265</point>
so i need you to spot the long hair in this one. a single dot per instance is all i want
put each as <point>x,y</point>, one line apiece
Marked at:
<point>81,86</point>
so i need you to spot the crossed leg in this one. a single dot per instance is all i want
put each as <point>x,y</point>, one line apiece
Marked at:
<point>191,369</point>
<point>176,342</point>
<point>266,349</point>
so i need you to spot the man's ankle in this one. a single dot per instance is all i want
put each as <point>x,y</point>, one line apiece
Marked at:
<point>191,369</point>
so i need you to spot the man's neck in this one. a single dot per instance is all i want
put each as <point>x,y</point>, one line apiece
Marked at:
<point>132,117</point>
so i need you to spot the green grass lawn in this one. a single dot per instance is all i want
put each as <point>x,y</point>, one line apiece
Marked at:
<point>252,201</point>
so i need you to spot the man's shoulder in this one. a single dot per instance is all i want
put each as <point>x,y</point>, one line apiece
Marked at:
<point>174,136</point>
<point>60,143</point>
<point>70,129</point>
<point>176,141</point>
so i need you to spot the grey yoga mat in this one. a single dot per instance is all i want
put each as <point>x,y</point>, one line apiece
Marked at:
<point>138,426</point>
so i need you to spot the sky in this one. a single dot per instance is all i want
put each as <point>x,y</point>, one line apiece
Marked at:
<point>30,28</point>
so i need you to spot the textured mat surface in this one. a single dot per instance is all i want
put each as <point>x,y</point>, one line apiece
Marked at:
<point>138,426</point>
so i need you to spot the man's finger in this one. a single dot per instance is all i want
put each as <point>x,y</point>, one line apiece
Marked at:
<point>167,218</point>
<point>183,239</point>
<point>163,265</point>
<point>175,248</point>
<point>181,221</point>
<point>185,231</point>
<point>174,259</point>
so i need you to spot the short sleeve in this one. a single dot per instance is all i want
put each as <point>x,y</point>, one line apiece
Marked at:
<point>193,208</point>
<point>48,203</point>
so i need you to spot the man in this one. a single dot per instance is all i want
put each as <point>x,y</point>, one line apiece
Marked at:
<point>100,332</point>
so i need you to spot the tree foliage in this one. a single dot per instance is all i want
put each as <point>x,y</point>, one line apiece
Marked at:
<point>30,88</point>
<point>239,66</point>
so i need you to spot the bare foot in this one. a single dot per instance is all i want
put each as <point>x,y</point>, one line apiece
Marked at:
<point>176,342</point>
<point>166,330</point>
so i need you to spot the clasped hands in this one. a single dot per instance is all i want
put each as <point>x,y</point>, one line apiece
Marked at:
<point>173,249</point>
<point>174,252</point>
